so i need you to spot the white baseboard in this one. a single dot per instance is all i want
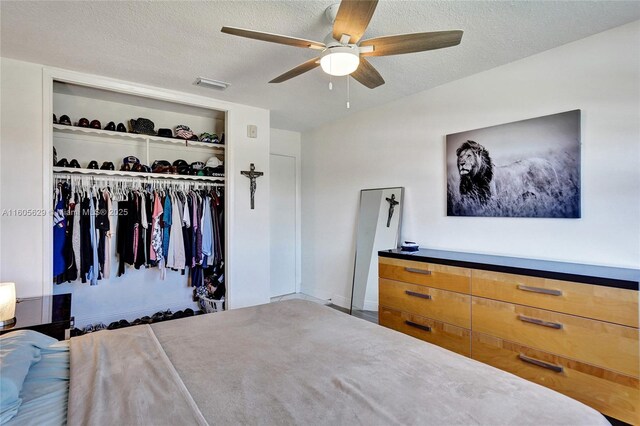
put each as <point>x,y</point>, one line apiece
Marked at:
<point>370,305</point>
<point>341,301</point>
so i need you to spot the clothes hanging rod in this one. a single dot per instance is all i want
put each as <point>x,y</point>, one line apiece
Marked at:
<point>137,175</point>
<point>160,182</point>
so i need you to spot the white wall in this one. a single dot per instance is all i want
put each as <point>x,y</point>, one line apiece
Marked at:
<point>285,142</point>
<point>249,263</point>
<point>21,175</point>
<point>402,144</point>
<point>24,255</point>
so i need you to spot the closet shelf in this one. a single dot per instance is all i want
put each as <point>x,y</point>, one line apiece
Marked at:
<point>70,170</point>
<point>61,128</point>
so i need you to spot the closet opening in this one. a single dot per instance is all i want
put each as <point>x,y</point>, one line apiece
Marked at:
<point>138,200</point>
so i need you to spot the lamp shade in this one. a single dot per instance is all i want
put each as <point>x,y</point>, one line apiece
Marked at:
<point>339,61</point>
<point>7,304</point>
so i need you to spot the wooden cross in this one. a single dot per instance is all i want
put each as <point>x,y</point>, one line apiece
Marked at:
<point>252,175</point>
<point>392,204</point>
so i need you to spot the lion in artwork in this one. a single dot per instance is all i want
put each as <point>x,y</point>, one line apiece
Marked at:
<point>481,180</point>
<point>476,171</point>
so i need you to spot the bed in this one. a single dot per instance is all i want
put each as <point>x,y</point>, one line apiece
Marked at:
<point>291,362</point>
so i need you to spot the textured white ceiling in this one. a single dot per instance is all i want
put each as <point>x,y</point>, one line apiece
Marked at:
<point>169,44</point>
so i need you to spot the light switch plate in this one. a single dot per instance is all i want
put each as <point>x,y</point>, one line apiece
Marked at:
<point>252,131</point>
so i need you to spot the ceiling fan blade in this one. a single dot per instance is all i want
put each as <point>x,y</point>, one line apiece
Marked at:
<point>353,18</point>
<point>409,43</point>
<point>274,38</point>
<point>300,69</point>
<point>367,75</point>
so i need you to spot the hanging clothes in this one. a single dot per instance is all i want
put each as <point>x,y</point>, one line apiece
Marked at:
<point>86,253</point>
<point>139,234</point>
<point>175,252</point>
<point>144,225</point>
<point>102,227</point>
<point>75,237</point>
<point>172,228</point>
<point>59,235</point>
<point>71,270</point>
<point>148,228</point>
<point>156,236</point>
<point>186,231</point>
<point>106,273</point>
<point>124,237</point>
<point>166,225</point>
<point>220,195</point>
<point>197,215</point>
<point>94,269</point>
<point>206,225</point>
<point>217,248</point>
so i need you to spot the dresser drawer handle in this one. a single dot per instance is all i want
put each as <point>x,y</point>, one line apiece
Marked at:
<point>548,291</point>
<point>552,367</point>
<point>420,295</point>
<point>418,271</point>
<point>420,326</point>
<point>537,321</point>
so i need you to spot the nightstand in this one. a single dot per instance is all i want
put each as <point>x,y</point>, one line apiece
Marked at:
<point>50,315</point>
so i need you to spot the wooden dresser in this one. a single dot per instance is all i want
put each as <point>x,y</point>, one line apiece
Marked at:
<point>572,328</point>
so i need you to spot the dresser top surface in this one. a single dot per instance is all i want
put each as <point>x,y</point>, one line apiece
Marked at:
<point>589,274</point>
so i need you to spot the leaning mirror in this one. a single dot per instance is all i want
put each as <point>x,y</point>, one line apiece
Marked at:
<point>379,219</point>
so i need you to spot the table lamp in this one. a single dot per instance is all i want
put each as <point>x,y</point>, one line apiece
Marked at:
<point>7,304</point>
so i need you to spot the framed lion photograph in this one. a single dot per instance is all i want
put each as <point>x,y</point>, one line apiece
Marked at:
<point>528,168</point>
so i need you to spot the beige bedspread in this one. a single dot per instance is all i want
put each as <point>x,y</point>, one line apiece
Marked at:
<point>296,362</point>
<point>123,377</point>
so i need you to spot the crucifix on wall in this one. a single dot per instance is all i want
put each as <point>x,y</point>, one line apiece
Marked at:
<point>392,204</point>
<point>252,175</point>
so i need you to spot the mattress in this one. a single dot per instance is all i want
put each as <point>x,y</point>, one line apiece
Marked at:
<point>297,362</point>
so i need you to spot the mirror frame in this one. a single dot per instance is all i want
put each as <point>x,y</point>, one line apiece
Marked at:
<point>398,239</point>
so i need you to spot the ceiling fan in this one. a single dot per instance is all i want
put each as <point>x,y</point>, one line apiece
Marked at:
<point>343,53</point>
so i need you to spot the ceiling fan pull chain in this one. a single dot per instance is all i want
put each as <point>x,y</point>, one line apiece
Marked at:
<point>348,93</point>
<point>330,82</point>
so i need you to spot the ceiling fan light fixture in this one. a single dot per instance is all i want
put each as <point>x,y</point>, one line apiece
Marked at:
<point>340,60</point>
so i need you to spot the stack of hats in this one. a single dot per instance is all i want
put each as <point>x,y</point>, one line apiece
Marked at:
<point>214,165</point>
<point>146,127</point>
<point>164,167</point>
<point>209,138</point>
<point>94,124</point>
<point>132,164</point>
<point>184,132</point>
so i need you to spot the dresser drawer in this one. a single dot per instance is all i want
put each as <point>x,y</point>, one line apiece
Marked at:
<point>453,308</point>
<point>612,346</point>
<point>448,336</point>
<point>609,392</point>
<point>429,274</point>
<point>615,305</point>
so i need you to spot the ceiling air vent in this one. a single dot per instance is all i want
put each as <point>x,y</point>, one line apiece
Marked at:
<point>212,84</point>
